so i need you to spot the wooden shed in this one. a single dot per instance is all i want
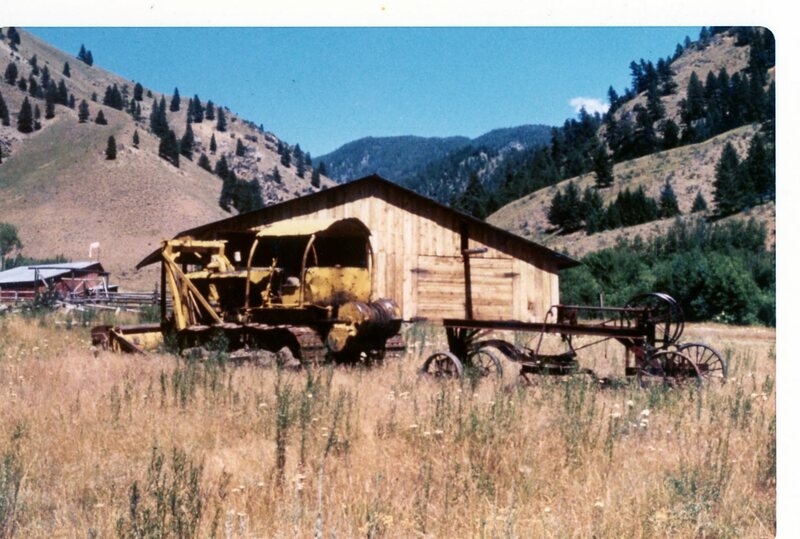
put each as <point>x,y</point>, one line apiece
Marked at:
<point>433,261</point>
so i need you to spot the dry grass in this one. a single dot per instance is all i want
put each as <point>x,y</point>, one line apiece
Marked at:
<point>378,452</point>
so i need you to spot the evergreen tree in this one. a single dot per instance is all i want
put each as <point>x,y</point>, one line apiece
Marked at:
<point>175,104</point>
<point>113,97</point>
<point>315,179</point>
<point>11,73</point>
<point>100,119</point>
<point>322,170</point>
<point>13,37</point>
<point>71,101</point>
<point>45,80</point>
<point>726,182</point>
<point>135,139</point>
<point>22,84</point>
<point>473,200</point>
<point>34,61</point>
<point>25,117</point>
<point>212,146</point>
<point>221,169</point>
<point>89,58</point>
<point>226,195</point>
<point>699,203</point>
<point>49,106</point>
<point>197,110</point>
<point>187,142</point>
<point>760,169</point>
<point>222,123</point>
<point>204,163</point>
<point>33,87</point>
<point>66,71</point>
<point>240,149</point>
<point>276,176</point>
<point>301,168</point>
<point>210,110</point>
<point>603,168</point>
<point>62,95</point>
<point>592,211</point>
<point>37,116</point>
<point>670,135</point>
<point>565,210</point>
<point>111,149</point>
<point>4,116</point>
<point>286,156</point>
<point>158,118</point>
<point>83,111</point>
<point>94,97</point>
<point>138,90</point>
<point>82,53</point>
<point>169,149</point>
<point>668,203</point>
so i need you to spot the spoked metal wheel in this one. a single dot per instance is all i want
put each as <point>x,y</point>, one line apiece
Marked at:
<point>486,363</point>
<point>663,312</point>
<point>669,367</point>
<point>710,363</point>
<point>442,365</point>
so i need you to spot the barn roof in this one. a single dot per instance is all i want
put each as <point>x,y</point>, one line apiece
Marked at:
<point>27,274</point>
<point>237,222</point>
<point>320,227</point>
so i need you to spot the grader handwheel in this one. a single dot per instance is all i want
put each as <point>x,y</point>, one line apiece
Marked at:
<point>662,311</point>
<point>442,365</point>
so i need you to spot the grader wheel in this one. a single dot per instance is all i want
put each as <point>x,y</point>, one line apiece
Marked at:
<point>669,367</point>
<point>485,363</point>
<point>442,365</point>
<point>710,363</point>
<point>664,312</point>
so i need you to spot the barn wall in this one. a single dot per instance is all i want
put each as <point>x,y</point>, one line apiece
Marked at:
<point>418,259</point>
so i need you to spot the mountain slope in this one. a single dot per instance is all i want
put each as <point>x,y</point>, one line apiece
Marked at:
<point>402,158</point>
<point>61,193</point>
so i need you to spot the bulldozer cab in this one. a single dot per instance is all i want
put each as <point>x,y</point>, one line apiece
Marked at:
<point>322,263</point>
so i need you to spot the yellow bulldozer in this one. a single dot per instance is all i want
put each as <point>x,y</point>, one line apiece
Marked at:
<point>305,284</point>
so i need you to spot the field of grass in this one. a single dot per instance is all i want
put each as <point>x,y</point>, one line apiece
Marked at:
<point>98,445</point>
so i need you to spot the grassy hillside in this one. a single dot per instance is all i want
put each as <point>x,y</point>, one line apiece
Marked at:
<point>62,194</point>
<point>689,169</point>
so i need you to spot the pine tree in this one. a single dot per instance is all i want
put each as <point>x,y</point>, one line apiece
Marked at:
<point>169,149</point>
<point>322,170</point>
<point>49,106</point>
<point>726,182</point>
<point>100,119</point>
<point>240,149</point>
<point>34,61</point>
<point>603,168</point>
<point>4,116</point>
<point>210,110</point>
<point>44,80</point>
<point>565,209</point>
<point>226,195</point>
<point>760,169</point>
<point>315,179</point>
<point>83,111</point>
<point>221,169</point>
<point>670,135</point>
<point>82,53</point>
<point>197,110</point>
<point>62,95</point>
<point>592,211</point>
<point>25,117</point>
<point>212,146</point>
<point>111,149</point>
<point>138,90</point>
<point>276,176</point>
<point>222,123</point>
<point>11,73</point>
<point>158,118</point>
<point>135,139</point>
<point>37,116</point>
<point>301,167</point>
<point>668,203</point>
<point>33,87</point>
<point>175,104</point>
<point>699,203</point>
<point>286,156</point>
<point>204,163</point>
<point>22,84</point>
<point>187,142</point>
<point>71,102</point>
<point>89,58</point>
<point>66,71</point>
<point>13,37</point>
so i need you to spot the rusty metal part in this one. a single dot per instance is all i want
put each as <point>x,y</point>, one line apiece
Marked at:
<point>669,367</point>
<point>709,362</point>
<point>442,365</point>
<point>485,362</point>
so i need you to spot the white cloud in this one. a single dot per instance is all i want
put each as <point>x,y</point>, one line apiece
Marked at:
<point>591,105</point>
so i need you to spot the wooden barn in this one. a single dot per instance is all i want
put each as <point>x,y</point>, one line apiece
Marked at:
<point>433,261</point>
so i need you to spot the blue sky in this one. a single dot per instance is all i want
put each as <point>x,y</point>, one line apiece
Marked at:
<point>323,87</point>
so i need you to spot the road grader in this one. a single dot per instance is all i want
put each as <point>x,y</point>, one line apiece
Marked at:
<point>305,284</point>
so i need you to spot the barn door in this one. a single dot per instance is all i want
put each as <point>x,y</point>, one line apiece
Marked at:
<point>440,287</point>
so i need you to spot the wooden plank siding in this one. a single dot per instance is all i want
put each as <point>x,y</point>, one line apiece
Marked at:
<point>512,279</point>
